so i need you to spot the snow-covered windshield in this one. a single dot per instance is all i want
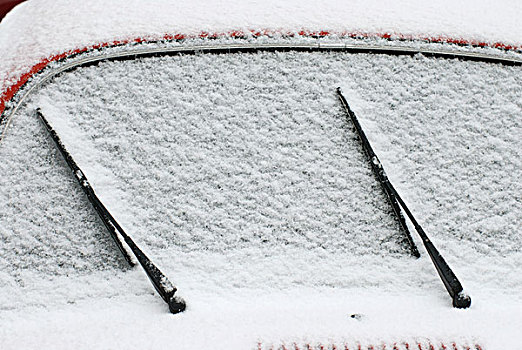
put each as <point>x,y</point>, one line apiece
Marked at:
<point>215,162</point>
<point>252,154</point>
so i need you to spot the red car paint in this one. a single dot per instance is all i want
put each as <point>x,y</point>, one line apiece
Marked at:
<point>7,5</point>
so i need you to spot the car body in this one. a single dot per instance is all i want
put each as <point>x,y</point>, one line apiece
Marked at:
<point>222,148</point>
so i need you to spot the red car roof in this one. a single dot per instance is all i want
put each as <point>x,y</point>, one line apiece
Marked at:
<point>7,5</point>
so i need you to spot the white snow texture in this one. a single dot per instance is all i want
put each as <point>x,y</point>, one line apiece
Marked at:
<point>244,181</point>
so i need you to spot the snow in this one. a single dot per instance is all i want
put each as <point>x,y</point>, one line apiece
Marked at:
<point>313,320</point>
<point>147,153</point>
<point>242,179</point>
<point>66,24</point>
